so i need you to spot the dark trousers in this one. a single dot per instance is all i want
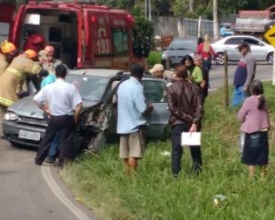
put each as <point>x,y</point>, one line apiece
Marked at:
<point>65,126</point>
<point>177,150</point>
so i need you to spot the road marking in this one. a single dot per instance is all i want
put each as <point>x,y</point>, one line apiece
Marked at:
<point>46,173</point>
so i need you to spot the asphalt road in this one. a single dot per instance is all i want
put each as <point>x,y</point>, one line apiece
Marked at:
<point>29,192</point>
<point>263,72</point>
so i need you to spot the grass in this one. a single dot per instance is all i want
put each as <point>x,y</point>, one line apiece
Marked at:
<point>154,194</point>
<point>154,58</point>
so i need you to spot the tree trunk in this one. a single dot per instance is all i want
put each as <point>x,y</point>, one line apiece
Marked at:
<point>191,6</point>
<point>216,20</point>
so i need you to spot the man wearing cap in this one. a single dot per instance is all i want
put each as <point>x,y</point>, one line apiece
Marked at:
<point>7,53</point>
<point>132,112</point>
<point>157,71</point>
<point>244,75</point>
<point>14,77</point>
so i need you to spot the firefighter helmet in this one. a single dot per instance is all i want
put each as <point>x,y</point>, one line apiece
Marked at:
<point>31,54</point>
<point>8,47</point>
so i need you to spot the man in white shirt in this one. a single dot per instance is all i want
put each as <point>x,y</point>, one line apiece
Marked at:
<point>62,103</point>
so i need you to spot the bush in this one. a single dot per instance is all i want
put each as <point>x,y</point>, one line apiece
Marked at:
<point>154,58</point>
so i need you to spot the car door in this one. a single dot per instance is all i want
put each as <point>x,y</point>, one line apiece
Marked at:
<point>257,48</point>
<point>231,47</point>
<point>155,93</point>
<point>6,20</point>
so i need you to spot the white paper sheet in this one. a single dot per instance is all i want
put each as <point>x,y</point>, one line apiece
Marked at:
<point>190,139</point>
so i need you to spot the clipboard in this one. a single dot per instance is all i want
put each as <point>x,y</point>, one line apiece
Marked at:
<point>190,139</point>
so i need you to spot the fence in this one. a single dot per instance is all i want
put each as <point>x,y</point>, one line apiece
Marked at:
<point>195,27</point>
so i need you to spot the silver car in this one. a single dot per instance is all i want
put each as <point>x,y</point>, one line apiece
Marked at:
<point>261,50</point>
<point>24,122</point>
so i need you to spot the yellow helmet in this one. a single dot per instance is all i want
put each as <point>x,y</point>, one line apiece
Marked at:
<point>7,47</point>
<point>31,54</point>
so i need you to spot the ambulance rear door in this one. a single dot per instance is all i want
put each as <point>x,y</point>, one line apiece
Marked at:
<point>6,20</point>
<point>99,39</point>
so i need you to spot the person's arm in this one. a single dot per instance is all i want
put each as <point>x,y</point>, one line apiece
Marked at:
<point>250,66</point>
<point>243,111</point>
<point>197,75</point>
<point>212,51</point>
<point>198,106</point>
<point>140,104</point>
<point>40,100</point>
<point>77,104</point>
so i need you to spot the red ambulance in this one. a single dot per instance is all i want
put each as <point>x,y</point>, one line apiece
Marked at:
<point>83,33</point>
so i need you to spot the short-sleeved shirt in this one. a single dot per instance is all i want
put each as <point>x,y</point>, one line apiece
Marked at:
<point>61,97</point>
<point>48,80</point>
<point>131,105</point>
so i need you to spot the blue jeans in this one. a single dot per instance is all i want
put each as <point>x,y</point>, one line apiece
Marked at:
<point>238,97</point>
<point>54,147</point>
<point>207,64</point>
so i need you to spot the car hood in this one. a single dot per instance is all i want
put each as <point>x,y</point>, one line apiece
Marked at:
<point>27,108</point>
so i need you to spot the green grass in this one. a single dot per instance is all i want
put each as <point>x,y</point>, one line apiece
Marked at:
<point>154,58</point>
<point>99,181</point>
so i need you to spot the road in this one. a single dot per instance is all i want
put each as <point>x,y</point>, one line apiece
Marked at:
<point>30,192</point>
<point>263,72</point>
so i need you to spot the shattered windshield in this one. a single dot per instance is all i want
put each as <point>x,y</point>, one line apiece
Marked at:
<point>91,88</point>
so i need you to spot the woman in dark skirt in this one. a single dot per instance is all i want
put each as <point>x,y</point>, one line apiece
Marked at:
<point>255,124</point>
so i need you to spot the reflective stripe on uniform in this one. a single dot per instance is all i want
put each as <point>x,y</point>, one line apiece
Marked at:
<point>16,72</point>
<point>35,68</point>
<point>5,102</point>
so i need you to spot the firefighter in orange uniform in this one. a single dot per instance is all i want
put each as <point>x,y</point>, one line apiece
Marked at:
<point>7,53</point>
<point>14,76</point>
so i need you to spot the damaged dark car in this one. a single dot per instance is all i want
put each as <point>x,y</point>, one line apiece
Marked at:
<point>25,125</point>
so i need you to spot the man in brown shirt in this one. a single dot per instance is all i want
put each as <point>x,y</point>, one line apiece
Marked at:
<point>186,107</point>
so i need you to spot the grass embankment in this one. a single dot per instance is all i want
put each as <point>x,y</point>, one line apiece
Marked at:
<point>154,194</point>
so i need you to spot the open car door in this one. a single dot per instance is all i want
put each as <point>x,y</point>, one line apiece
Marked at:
<point>7,11</point>
<point>155,93</point>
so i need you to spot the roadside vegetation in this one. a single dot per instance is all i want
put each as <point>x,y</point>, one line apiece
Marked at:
<point>99,181</point>
<point>154,57</point>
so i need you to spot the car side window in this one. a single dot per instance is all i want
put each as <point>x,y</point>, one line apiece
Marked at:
<point>234,41</point>
<point>154,91</point>
<point>251,41</point>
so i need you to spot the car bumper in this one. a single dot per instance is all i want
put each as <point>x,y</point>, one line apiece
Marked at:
<point>11,133</point>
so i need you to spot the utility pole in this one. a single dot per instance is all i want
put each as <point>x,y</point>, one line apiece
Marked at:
<point>145,8</point>
<point>216,20</point>
<point>150,11</point>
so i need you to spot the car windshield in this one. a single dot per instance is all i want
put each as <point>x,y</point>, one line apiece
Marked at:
<point>183,45</point>
<point>91,88</point>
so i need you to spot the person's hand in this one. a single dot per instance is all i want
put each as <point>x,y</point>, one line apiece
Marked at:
<point>76,119</point>
<point>150,107</point>
<point>193,128</point>
<point>48,113</point>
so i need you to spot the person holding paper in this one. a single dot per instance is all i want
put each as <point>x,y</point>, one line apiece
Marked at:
<point>186,107</point>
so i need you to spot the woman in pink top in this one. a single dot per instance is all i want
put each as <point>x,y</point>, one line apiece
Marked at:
<point>255,124</point>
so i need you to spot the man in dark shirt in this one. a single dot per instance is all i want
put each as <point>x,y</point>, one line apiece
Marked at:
<point>186,107</point>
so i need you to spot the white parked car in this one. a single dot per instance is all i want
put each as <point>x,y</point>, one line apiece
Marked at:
<point>261,50</point>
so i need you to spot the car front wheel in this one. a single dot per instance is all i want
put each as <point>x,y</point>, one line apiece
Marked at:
<point>97,142</point>
<point>270,58</point>
<point>220,59</point>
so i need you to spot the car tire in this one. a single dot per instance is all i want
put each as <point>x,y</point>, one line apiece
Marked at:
<point>270,58</point>
<point>97,142</point>
<point>220,59</point>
